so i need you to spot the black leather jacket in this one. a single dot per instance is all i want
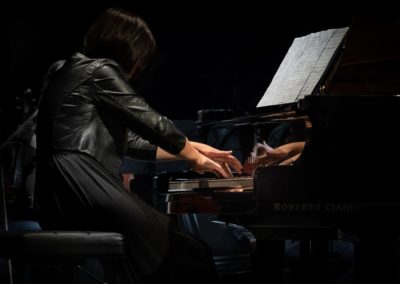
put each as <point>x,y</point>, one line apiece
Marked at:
<point>89,107</point>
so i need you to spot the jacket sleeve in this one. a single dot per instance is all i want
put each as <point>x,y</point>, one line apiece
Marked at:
<point>115,95</point>
<point>140,148</point>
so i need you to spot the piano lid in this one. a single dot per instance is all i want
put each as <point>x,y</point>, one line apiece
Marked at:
<point>366,62</point>
<point>370,63</point>
<point>363,59</point>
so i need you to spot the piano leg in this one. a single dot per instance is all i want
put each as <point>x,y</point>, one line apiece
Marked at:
<point>270,263</point>
<point>314,261</point>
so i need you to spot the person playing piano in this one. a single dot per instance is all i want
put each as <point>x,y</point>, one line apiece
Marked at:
<point>89,117</point>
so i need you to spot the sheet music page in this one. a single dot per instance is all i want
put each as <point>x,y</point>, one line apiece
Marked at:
<point>303,66</point>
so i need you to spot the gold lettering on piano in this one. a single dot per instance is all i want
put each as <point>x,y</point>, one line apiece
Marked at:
<point>312,207</point>
<point>301,207</point>
<point>339,207</point>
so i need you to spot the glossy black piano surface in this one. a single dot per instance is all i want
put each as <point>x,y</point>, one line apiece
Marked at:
<point>346,178</point>
<point>347,173</point>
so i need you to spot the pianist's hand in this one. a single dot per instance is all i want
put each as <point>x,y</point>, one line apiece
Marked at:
<point>224,158</point>
<point>204,164</point>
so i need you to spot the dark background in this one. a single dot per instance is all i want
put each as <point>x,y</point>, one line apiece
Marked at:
<point>210,54</point>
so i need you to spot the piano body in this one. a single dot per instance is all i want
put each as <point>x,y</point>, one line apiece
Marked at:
<point>347,176</point>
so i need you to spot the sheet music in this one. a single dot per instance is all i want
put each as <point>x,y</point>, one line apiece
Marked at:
<point>303,66</point>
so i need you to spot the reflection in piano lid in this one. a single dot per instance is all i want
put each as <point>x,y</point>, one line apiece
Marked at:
<point>370,60</point>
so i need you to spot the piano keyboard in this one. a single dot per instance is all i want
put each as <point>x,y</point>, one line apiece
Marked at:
<point>189,184</point>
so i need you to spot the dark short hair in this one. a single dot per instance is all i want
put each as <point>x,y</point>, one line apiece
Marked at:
<point>121,36</point>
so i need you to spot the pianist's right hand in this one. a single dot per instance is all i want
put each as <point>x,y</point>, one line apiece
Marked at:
<point>201,163</point>
<point>204,158</point>
<point>224,158</point>
<point>204,164</point>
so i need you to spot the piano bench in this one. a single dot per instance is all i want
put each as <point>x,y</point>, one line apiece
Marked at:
<point>65,250</point>
<point>61,245</point>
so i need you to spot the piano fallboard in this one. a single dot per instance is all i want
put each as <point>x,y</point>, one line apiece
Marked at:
<point>214,202</point>
<point>236,183</point>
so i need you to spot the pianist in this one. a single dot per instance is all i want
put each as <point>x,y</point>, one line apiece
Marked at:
<point>88,118</point>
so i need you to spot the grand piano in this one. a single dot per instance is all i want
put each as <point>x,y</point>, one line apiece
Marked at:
<point>346,179</point>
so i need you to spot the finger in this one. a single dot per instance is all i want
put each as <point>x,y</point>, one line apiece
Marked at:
<point>215,168</point>
<point>221,171</point>
<point>236,164</point>
<point>231,161</point>
<point>216,173</point>
<point>227,170</point>
<point>220,154</point>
